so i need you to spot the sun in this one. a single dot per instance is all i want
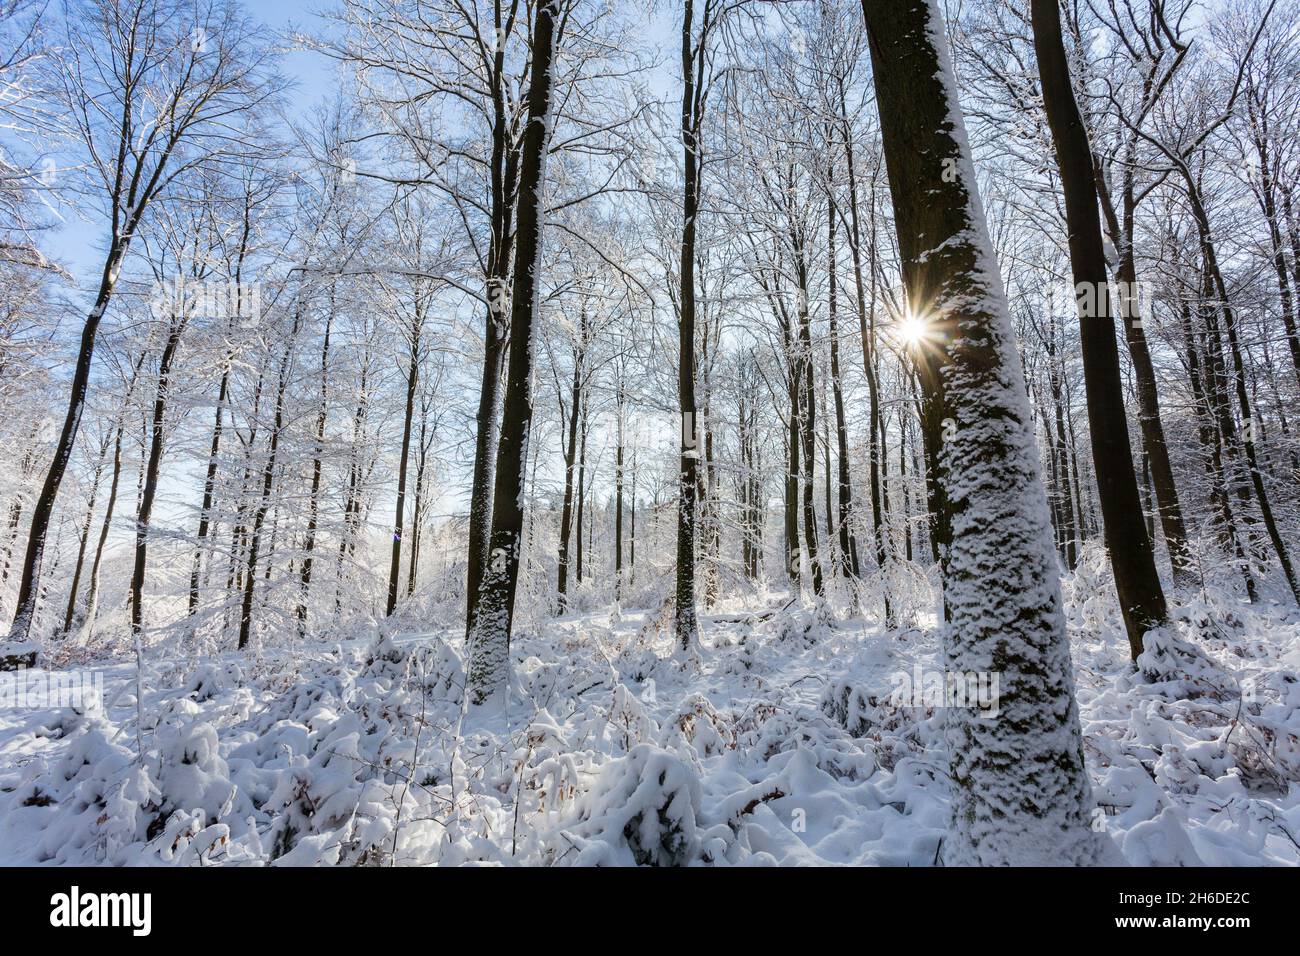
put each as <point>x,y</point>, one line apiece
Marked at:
<point>913,329</point>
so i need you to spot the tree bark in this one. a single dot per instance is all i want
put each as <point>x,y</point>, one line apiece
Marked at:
<point>1144,376</point>
<point>867,331</point>
<point>29,585</point>
<point>1020,793</point>
<point>1142,601</point>
<point>807,414</point>
<point>399,518</point>
<point>570,463</point>
<point>268,479</point>
<point>620,402</point>
<point>317,472</point>
<point>490,640</point>
<point>848,542</point>
<point>693,66</point>
<point>84,542</point>
<point>504,179</point>
<point>92,592</point>
<point>149,481</point>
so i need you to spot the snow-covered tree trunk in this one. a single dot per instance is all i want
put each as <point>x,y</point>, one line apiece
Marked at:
<point>867,331</point>
<point>850,566</point>
<point>687,627</point>
<point>399,517</point>
<point>503,180</point>
<point>570,465</point>
<point>489,642</point>
<point>1020,794</point>
<point>265,501</point>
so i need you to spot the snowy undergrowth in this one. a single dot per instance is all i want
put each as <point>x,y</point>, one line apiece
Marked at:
<point>779,746</point>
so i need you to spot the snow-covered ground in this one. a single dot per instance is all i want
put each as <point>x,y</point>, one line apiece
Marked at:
<point>780,745</point>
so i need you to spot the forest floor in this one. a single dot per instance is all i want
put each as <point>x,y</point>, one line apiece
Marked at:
<point>779,744</point>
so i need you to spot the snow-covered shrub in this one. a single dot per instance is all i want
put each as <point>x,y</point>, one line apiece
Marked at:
<point>637,661</point>
<point>1088,594</point>
<point>628,720</point>
<point>317,691</point>
<point>659,622</point>
<point>95,804</point>
<point>1207,623</point>
<point>697,724</point>
<point>1161,841</point>
<point>1274,715</point>
<point>848,706</point>
<point>210,680</point>
<point>331,810</point>
<point>740,658</point>
<point>191,774</point>
<point>801,627</point>
<point>553,772</point>
<point>890,732</point>
<point>642,809</point>
<point>1183,669</point>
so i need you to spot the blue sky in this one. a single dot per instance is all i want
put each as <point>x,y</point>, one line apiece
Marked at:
<point>313,73</point>
<point>78,243</point>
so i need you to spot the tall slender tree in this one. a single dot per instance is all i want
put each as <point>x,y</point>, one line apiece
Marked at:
<point>1007,612</point>
<point>490,639</point>
<point>1141,598</point>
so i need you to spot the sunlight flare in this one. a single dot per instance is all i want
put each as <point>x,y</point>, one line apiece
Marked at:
<point>913,329</point>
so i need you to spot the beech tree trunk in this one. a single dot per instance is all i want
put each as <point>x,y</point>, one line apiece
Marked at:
<point>1006,612</point>
<point>42,510</point>
<point>399,518</point>
<point>317,469</point>
<point>807,417</point>
<point>570,464</point>
<point>504,180</point>
<point>1121,228</point>
<point>867,331</point>
<point>268,479</point>
<point>149,480</point>
<point>621,403</point>
<point>489,662</point>
<point>92,592</point>
<point>1142,601</point>
<point>693,75</point>
<point>848,542</point>
<point>84,542</point>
